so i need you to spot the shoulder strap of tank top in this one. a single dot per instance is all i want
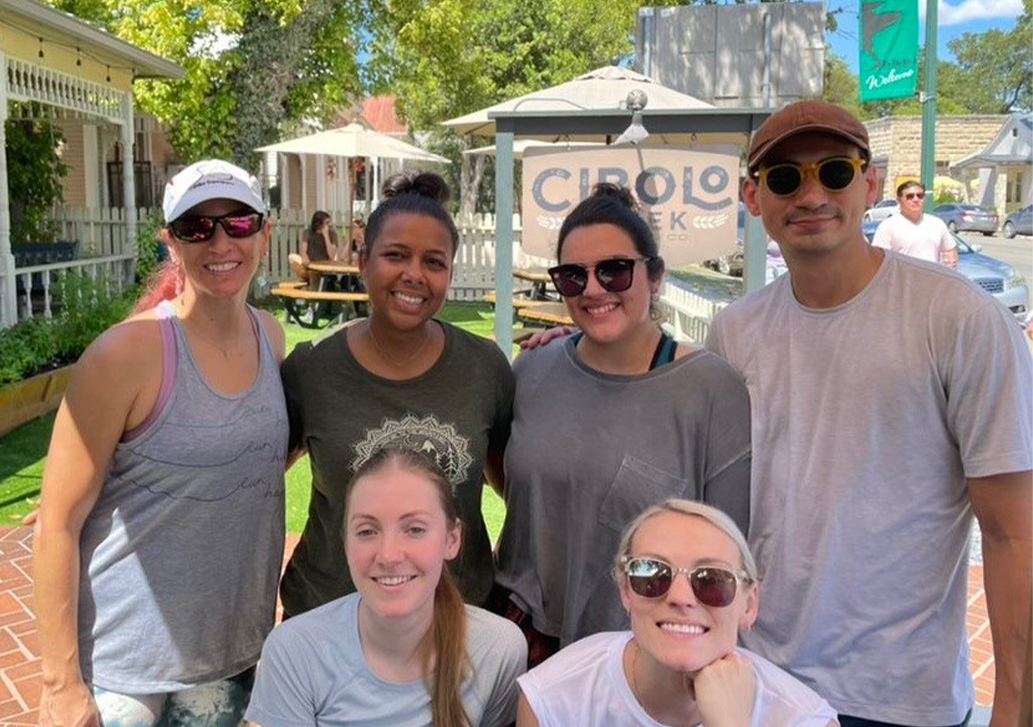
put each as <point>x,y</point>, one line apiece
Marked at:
<point>666,347</point>
<point>169,365</point>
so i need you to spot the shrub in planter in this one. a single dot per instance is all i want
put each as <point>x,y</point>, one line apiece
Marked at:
<point>36,344</point>
<point>25,349</point>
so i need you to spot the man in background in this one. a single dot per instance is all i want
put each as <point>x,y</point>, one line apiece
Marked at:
<point>914,233</point>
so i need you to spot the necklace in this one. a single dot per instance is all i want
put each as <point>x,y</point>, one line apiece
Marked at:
<point>203,337</point>
<point>390,359</point>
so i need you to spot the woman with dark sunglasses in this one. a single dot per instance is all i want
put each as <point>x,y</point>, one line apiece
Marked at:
<point>610,421</point>
<point>398,378</point>
<point>160,532</point>
<point>689,584</point>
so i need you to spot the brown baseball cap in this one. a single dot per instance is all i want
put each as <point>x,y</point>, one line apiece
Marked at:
<point>801,117</point>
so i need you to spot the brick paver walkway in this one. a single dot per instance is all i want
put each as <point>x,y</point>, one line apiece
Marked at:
<point>19,643</point>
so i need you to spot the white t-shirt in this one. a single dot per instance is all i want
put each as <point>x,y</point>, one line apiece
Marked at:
<point>867,418</point>
<point>313,672</point>
<point>585,685</point>
<point>927,240</point>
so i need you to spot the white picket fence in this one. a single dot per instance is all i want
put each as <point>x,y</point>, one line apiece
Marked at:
<point>100,232</point>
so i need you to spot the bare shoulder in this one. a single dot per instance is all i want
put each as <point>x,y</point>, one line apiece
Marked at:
<point>273,329</point>
<point>122,362</point>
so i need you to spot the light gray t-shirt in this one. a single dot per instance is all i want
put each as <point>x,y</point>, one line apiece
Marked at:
<point>313,672</point>
<point>927,240</point>
<point>588,452</point>
<point>867,418</point>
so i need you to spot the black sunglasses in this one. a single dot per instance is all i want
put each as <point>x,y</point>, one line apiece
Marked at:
<point>712,585</point>
<point>201,228</point>
<point>833,174</point>
<point>614,274</point>
<point>914,195</point>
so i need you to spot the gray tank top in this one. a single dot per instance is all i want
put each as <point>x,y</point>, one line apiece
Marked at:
<point>181,555</point>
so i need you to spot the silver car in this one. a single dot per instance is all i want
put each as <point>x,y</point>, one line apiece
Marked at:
<point>881,211</point>
<point>1019,222</point>
<point>996,277</point>
<point>967,217</point>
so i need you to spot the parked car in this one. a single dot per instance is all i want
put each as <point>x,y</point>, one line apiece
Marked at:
<point>994,276</point>
<point>1019,222</point>
<point>967,217</point>
<point>881,210</point>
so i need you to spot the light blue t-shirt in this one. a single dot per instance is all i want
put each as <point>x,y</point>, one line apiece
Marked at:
<point>313,672</point>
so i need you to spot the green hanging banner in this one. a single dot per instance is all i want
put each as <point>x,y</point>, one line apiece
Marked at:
<point>889,49</point>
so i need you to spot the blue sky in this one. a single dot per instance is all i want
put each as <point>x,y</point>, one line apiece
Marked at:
<point>954,18</point>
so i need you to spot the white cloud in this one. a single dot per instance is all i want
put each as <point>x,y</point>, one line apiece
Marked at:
<point>968,10</point>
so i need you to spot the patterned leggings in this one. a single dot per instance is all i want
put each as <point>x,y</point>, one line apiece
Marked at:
<point>218,704</point>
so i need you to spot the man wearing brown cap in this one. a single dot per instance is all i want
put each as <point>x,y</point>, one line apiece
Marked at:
<point>890,401</point>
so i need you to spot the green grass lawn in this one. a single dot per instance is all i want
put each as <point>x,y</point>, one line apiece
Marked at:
<point>23,451</point>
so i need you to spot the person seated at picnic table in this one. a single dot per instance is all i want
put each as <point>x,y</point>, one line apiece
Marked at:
<point>160,532</point>
<point>404,650</point>
<point>678,665</point>
<point>397,378</point>
<point>616,418</point>
<point>319,243</point>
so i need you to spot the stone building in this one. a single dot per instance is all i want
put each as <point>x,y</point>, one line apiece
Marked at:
<point>896,143</point>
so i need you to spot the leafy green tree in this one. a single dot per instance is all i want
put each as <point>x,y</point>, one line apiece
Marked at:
<point>995,68</point>
<point>34,171</point>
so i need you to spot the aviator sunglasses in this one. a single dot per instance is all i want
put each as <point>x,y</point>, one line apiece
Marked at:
<point>833,174</point>
<point>712,585</point>
<point>201,228</point>
<point>614,275</point>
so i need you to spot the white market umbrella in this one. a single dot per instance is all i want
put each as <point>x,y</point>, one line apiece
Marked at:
<point>353,140</point>
<point>603,88</point>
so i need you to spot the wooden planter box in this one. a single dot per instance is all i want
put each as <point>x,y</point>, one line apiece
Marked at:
<point>24,401</point>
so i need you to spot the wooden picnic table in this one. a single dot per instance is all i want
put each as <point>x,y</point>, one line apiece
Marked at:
<point>346,275</point>
<point>551,314</point>
<point>539,279</point>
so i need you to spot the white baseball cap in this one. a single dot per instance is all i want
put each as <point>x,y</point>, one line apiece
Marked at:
<point>210,179</point>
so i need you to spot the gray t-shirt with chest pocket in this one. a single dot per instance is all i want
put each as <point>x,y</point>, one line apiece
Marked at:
<point>588,452</point>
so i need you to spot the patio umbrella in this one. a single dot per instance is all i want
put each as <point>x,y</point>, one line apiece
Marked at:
<point>353,140</point>
<point>603,88</point>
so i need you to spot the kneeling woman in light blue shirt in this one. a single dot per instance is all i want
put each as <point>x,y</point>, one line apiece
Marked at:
<point>404,650</point>
<point>679,665</point>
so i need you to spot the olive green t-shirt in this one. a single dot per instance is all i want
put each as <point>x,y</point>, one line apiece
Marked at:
<point>341,413</point>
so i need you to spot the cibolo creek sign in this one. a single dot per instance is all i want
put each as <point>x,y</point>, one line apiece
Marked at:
<point>689,198</point>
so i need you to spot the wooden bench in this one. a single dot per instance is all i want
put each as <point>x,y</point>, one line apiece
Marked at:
<point>549,314</point>
<point>296,298</point>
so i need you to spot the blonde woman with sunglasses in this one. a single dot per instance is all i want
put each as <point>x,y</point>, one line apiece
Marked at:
<point>161,527</point>
<point>687,579</point>
<point>613,419</point>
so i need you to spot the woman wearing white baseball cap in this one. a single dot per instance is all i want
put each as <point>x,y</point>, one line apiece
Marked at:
<point>160,531</point>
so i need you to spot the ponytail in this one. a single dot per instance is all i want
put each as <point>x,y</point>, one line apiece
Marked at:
<point>164,284</point>
<point>448,634</point>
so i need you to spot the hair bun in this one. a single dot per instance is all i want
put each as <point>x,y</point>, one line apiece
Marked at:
<point>616,191</point>
<point>421,184</point>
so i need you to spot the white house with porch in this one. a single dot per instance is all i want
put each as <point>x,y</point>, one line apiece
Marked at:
<point>58,67</point>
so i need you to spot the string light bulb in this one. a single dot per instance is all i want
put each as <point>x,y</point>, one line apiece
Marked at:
<point>41,47</point>
<point>78,57</point>
<point>108,77</point>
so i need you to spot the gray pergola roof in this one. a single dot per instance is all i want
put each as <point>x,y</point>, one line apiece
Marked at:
<point>675,125</point>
